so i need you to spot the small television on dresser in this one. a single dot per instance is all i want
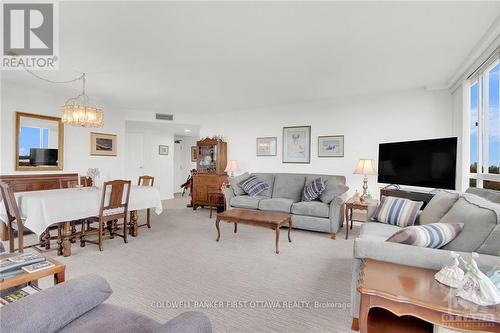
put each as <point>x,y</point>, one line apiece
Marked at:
<point>424,163</point>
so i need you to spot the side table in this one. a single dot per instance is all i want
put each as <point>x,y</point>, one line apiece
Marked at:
<point>350,205</point>
<point>58,271</point>
<point>216,199</point>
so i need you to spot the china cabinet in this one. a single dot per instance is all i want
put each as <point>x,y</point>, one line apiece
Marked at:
<point>210,166</point>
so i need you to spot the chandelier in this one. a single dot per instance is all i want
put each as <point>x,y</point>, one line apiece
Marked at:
<point>78,112</point>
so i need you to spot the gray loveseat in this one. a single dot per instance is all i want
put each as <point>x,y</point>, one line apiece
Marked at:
<point>285,195</point>
<point>478,209</point>
<point>77,306</point>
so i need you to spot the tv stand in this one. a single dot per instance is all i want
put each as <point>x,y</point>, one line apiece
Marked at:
<point>425,197</point>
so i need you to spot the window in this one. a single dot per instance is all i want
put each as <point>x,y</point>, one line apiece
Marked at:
<point>484,92</point>
<point>33,137</point>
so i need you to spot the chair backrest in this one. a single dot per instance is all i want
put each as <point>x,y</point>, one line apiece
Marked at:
<point>146,181</point>
<point>115,197</point>
<point>13,215</point>
<point>73,183</point>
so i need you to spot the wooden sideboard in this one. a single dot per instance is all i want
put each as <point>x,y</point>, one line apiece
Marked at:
<point>210,166</point>
<point>39,182</point>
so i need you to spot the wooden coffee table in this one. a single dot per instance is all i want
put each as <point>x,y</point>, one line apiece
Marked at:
<point>58,271</point>
<point>397,298</point>
<point>259,218</point>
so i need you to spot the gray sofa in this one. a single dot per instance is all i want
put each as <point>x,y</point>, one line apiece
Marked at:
<point>285,195</point>
<point>478,209</point>
<point>77,306</point>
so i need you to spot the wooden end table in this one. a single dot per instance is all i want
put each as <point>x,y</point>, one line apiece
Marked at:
<point>58,271</point>
<point>273,220</point>
<point>216,199</point>
<point>398,298</point>
<point>351,205</point>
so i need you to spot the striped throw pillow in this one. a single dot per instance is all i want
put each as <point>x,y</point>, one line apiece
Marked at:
<point>397,211</point>
<point>253,186</point>
<point>433,235</point>
<point>314,189</point>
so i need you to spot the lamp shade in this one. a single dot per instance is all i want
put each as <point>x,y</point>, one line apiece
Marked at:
<point>232,166</point>
<point>365,167</point>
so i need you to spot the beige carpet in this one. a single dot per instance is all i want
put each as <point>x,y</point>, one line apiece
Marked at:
<point>239,282</point>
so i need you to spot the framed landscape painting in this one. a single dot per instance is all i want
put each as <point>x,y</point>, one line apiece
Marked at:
<point>331,146</point>
<point>102,144</point>
<point>266,146</point>
<point>297,144</point>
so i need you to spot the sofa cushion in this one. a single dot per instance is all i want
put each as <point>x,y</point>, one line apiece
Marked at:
<point>276,204</point>
<point>313,189</point>
<point>311,208</point>
<point>377,230</point>
<point>53,308</point>
<point>246,201</point>
<point>479,216</point>
<point>439,205</point>
<point>253,185</point>
<point>111,318</point>
<point>289,186</point>
<point>234,181</point>
<point>397,211</point>
<point>268,178</point>
<point>490,195</point>
<point>433,235</point>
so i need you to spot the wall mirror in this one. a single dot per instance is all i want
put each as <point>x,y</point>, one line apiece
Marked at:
<point>39,142</point>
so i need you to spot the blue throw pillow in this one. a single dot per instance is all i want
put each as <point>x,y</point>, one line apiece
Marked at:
<point>314,189</point>
<point>253,186</point>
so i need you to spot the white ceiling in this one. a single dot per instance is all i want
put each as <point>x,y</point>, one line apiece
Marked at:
<point>206,57</point>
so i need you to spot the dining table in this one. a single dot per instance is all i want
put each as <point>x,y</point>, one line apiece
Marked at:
<point>43,209</point>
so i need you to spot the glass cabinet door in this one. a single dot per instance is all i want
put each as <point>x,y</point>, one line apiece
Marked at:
<point>207,158</point>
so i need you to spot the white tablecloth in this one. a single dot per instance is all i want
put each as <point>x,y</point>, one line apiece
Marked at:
<point>41,209</point>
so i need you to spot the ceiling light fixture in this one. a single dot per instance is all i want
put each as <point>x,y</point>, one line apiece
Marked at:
<point>78,112</point>
<point>187,130</point>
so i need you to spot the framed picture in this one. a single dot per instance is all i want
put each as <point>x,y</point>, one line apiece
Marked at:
<point>266,146</point>
<point>194,153</point>
<point>102,144</point>
<point>297,144</point>
<point>331,146</point>
<point>163,150</point>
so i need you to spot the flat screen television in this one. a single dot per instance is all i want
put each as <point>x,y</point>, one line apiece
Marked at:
<point>425,163</point>
<point>43,156</point>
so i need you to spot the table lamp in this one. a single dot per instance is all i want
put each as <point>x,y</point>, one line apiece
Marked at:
<point>365,167</point>
<point>232,167</point>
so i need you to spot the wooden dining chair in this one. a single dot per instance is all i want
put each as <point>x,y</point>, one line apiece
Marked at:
<point>114,206</point>
<point>14,220</point>
<point>146,181</point>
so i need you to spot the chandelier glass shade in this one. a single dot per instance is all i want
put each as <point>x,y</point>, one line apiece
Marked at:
<point>77,111</point>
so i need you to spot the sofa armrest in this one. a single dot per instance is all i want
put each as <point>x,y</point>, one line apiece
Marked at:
<point>51,309</point>
<point>228,195</point>
<point>187,322</point>
<point>336,213</point>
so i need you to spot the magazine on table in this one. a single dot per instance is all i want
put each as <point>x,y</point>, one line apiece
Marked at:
<point>18,294</point>
<point>16,262</point>
<point>37,267</point>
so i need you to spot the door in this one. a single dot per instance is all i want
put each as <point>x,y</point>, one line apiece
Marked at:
<point>134,156</point>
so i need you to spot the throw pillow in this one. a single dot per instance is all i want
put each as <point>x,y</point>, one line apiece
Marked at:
<point>397,211</point>
<point>234,181</point>
<point>439,205</point>
<point>313,189</point>
<point>253,186</point>
<point>332,191</point>
<point>433,235</point>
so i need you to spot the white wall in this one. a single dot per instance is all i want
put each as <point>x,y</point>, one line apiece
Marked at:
<point>364,121</point>
<point>182,160</point>
<point>153,164</point>
<point>76,140</point>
